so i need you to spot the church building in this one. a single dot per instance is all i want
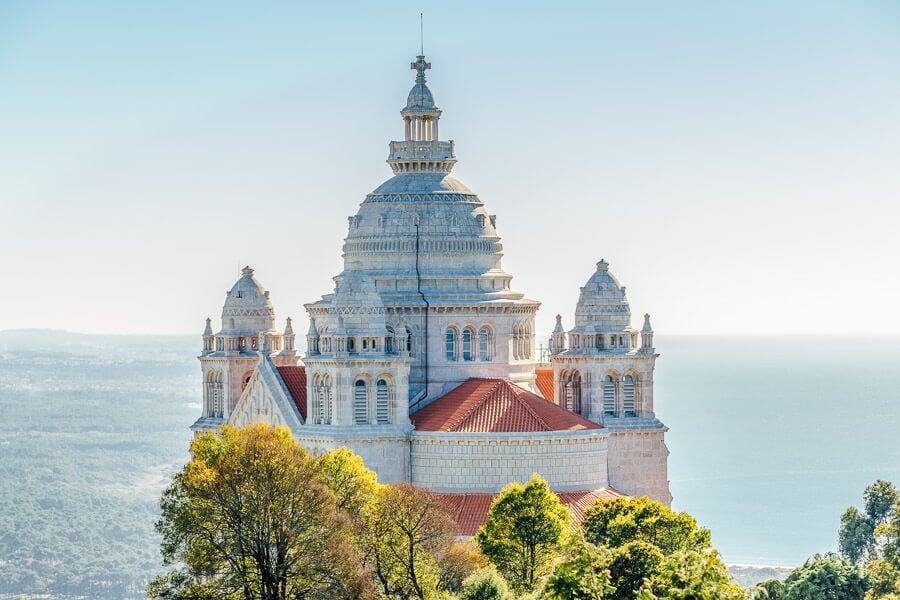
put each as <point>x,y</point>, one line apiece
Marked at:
<point>422,359</point>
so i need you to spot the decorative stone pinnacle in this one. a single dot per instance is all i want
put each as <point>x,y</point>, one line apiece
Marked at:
<point>247,271</point>
<point>420,66</point>
<point>602,265</point>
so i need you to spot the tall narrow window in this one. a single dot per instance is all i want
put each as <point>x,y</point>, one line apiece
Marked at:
<point>484,337</point>
<point>467,344</point>
<point>450,344</point>
<point>576,393</point>
<point>609,395</point>
<point>569,396</point>
<point>628,397</point>
<point>382,404</point>
<point>389,341</point>
<point>360,410</point>
<point>409,343</point>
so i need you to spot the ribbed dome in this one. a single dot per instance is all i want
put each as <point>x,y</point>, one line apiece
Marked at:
<point>602,304</point>
<point>247,306</point>
<point>420,98</point>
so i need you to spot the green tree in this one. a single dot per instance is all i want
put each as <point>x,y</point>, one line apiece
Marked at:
<point>692,575</point>
<point>618,521</point>
<point>354,485</point>
<point>826,577</point>
<point>485,584</point>
<point>857,537</point>
<point>523,533</point>
<point>251,516</point>
<point>583,575</point>
<point>770,589</point>
<point>406,530</point>
<point>640,534</point>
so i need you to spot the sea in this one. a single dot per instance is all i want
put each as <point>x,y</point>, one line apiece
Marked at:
<point>771,438</point>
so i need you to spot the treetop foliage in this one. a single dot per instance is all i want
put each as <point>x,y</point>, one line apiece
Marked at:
<point>618,521</point>
<point>523,532</point>
<point>826,577</point>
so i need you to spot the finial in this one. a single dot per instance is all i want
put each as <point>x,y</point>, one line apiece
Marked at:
<point>602,265</point>
<point>247,271</point>
<point>421,35</point>
<point>420,66</point>
<point>208,330</point>
<point>288,329</point>
<point>647,328</point>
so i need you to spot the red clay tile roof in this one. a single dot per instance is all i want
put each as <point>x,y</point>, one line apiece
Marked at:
<point>495,405</point>
<point>544,382</point>
<point>294,379</point>
<point>470,510</point>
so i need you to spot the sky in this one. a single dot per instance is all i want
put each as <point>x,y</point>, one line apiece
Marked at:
<point>737,163</point>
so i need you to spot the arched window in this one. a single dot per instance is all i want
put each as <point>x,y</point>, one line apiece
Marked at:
<point>389,341</point>
<point>484,344</point>
<point>382,403</point>
<point>360,403</point>
<point>609,395</point>
<point>450,344</point>
<point>467,353</point>
<point>576,393</point>
<point>628,406</point>
<point>409,341</point>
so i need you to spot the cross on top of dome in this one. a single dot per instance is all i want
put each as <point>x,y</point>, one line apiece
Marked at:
<point>420,67</point>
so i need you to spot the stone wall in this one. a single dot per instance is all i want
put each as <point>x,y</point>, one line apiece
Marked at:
<point>486,462</point>
<point>638,464</point>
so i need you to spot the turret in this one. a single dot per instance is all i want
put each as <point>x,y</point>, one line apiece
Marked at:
<point>208,339</point>
<point>558,338</point>
<point>289,349</point>
<point>647,336</point>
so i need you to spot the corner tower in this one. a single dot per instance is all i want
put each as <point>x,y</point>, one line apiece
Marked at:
<point>229,356</point>
<point>432,253</point>
<point>604,371</point>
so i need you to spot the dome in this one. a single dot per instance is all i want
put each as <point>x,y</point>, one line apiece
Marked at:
<point>423,183</point>
<point>602,305</point>
<point>357,303</point>
<point>247,308</point>
<point>420,98</point>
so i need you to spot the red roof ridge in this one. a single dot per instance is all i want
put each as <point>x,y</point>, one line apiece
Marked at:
<point>475,405</point>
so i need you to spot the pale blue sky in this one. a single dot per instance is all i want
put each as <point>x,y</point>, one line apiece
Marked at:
<point>737,163</point>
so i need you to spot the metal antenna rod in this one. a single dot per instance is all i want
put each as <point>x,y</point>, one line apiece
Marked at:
<point>421,35</point>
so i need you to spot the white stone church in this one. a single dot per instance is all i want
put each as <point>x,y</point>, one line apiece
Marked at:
<point>422,359</point>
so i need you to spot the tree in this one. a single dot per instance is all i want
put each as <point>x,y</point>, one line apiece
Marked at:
<point>770,589</point>
<point>618,521</point>
<point>251,516</point>
<point>884,580</point>
<point>583,575</point>
<point>641,534</point>
<point>692,575</point>
<point>407,528</point>
<point>856,537</point>
<point>523,532</point>
<point>485,584</point>
<point>354,486</point>
<point>826,577</point>
<point>459,561</point>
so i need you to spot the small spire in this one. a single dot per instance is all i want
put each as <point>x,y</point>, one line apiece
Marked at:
<point>288,329</point>
<point>602,265</point>
<point>208,330</point>
<point>247,271</point>
<point>313,331</point>
<point>647,328</point>
<point>559,325</point>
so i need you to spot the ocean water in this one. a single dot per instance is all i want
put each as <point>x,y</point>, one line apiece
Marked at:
<point>771,439</point>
